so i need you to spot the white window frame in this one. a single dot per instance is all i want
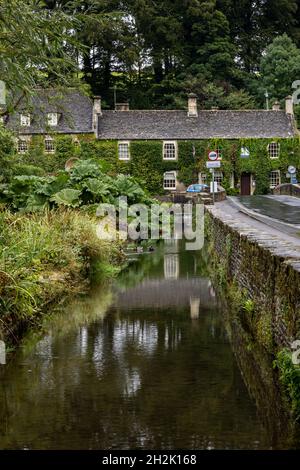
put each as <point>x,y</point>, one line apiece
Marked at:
<point>275,180</point>
<point>25,120</point>
<point>49,139</point>
<point>52,119</point>
<point>167,187</point>
<point>218,177</point>
<point>172,143</point>
<point>22,145</point>
<point>124,156</point>
<point>274,150</point>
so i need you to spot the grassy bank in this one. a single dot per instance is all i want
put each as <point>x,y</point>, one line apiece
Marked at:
<point>45,257</point>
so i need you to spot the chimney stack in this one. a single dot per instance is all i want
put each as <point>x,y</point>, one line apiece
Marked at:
<point>289,106</point>
<point>96,113</point>
<point>122,106</point>
<point>192,105</point>
<point>276,106</point>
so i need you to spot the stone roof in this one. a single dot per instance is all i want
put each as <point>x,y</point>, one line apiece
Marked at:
<point>177,125</point>
<point>75,113</point>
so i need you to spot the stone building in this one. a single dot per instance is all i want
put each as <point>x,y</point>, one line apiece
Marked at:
<point>172,127</point>
<point>248,136</point>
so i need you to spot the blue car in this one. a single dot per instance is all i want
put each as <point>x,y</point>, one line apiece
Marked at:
<point>197,188</point>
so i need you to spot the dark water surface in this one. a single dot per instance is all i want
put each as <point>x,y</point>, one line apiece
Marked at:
<point>145,363</point>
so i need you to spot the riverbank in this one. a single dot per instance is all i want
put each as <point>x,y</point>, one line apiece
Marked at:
<point>45,257</point>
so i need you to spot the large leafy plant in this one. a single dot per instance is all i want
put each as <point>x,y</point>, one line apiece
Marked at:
<point>85,184</point>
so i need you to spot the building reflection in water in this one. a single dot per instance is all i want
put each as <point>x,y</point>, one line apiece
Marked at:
<point>195,307</point>
<point>171,266</point>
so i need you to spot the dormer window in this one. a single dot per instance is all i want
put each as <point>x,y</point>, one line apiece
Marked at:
<point>52,119</point>
<point>274,150</point>
<point>170,150</point>
<point>25,120</point>
<point>49,145</point>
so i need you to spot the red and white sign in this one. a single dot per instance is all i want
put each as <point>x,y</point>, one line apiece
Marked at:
<point>213,156</point>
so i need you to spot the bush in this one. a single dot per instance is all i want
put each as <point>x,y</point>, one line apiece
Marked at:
<point>43,256</point>
<point>84,184</point>
<point>19,169</point>
<point>289,376</point>
<point>7,152</point>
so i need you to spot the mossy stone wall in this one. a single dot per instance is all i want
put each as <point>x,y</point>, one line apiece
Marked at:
<point>269,281</point>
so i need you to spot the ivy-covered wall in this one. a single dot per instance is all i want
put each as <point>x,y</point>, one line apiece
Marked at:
<point>147,163</point>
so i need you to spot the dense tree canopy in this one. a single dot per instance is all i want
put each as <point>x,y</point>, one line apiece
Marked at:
<point>38,47</point>
<point>155,51</point>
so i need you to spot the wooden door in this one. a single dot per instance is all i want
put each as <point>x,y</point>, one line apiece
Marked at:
<point>246,184</point>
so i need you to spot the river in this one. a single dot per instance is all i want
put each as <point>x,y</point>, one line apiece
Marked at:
<point>142,363</point>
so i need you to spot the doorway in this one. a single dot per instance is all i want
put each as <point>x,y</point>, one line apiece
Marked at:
<point>246,184</point>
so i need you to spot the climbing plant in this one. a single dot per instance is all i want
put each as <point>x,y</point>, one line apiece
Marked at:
<point>147,165</point>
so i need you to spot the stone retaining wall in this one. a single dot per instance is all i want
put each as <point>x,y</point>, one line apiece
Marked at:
<point>267,269</point>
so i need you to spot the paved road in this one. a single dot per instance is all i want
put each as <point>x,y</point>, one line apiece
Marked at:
<point>283,208</point>
<point>233,208</point>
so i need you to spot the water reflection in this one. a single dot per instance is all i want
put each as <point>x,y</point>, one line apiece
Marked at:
<point>171,266</point>
<point>195,308</point>
<point>148,365</point>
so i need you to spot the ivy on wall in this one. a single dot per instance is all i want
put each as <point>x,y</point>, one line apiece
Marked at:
<point>147,164</point>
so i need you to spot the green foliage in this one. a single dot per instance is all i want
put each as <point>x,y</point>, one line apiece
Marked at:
<point>146,164</point>
<point>279,65</point>
<point>7,151</point>
<point>289,375</point>
<point>36,156</point>
<point>240,99</point>
<point>84,184</point>
<point>64,148</point>
<point>67,197</point>
<point>167,49</point>
<point>43,257</point>
<point>19,169</point>
<point>36,48</point>
<point>249,307</point>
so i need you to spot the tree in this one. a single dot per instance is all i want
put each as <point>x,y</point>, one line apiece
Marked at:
<point>37,48</point>
<point>255,23</point>
<point>279,68</point>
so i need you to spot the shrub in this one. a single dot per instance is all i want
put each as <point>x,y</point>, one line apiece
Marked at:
<point>289,376</point>
<point>19,169</point>
<point>43,256</point>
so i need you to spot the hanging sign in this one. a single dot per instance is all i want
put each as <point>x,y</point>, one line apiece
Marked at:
<point>213,156</point>
<point>292,170</point>
<point>216,164</point>
<point>245,153</point>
